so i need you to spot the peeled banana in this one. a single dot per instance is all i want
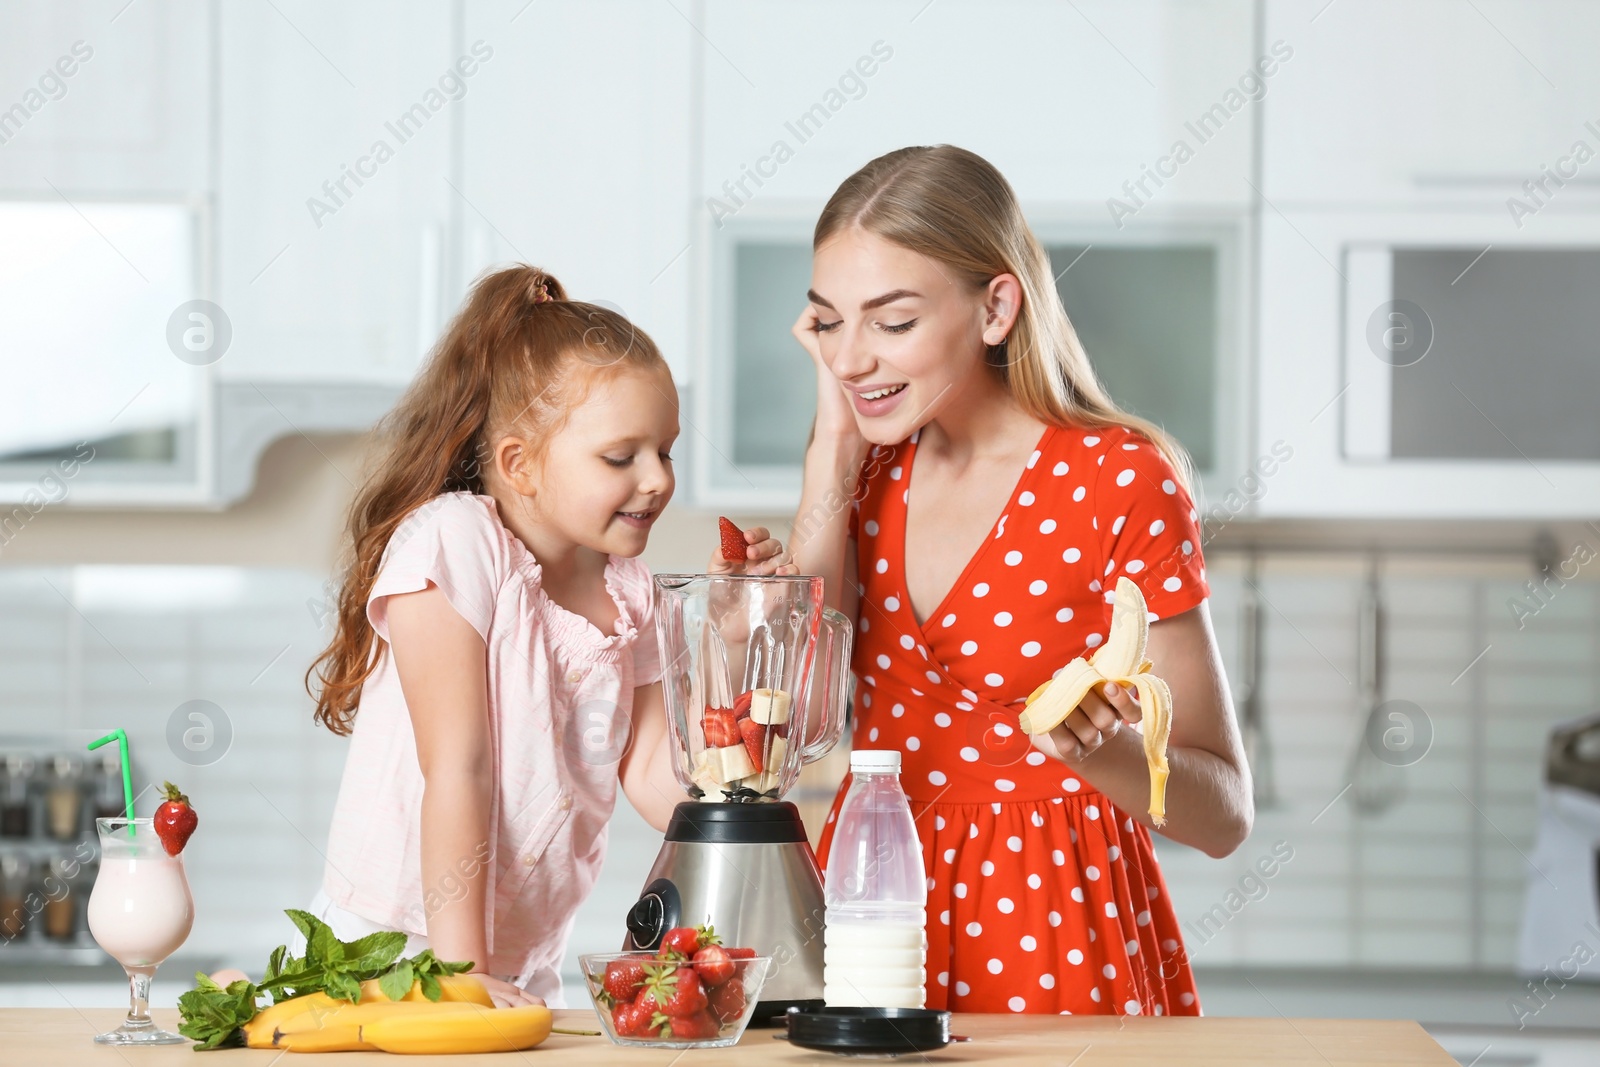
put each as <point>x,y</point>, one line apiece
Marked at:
<point>1121,660</point>
<point>460,1029</point>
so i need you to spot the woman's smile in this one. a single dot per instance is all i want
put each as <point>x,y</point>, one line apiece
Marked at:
<point>875,401</point>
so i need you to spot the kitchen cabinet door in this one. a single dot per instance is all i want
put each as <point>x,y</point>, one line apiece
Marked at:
<point>1389,103</point>
<point>1069,100</point>
<point>575,157</point>
<point>333,195</point>
<point>105,99</point>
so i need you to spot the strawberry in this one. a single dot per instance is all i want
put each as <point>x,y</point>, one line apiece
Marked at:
<point>742,953</point>
<point>624,978</point>
<point>727,1001</point>
<point>684,940</point>
<point>741,704</point>
<point>675,991</point>
<point>721,728</point>
<point>697,1026</point>
<point>175,820</point>
<point>755,736</point>
<point>713,964</point>
<point>734,546</point>
<point>632,1019</point>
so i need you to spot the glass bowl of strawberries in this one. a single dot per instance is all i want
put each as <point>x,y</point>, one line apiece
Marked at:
<point>692,992</point>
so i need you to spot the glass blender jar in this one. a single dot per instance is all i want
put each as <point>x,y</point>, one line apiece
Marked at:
<point>756,684</point>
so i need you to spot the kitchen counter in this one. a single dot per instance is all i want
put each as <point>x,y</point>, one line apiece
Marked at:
<point>60,1037</point>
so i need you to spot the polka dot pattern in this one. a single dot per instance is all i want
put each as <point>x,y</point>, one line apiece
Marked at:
<point>1038,887</point>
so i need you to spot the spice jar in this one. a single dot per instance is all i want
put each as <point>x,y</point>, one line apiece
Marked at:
<point>14,872</point>
<point>15,776</point>
<point>61,893</point>
<point>63,797</point>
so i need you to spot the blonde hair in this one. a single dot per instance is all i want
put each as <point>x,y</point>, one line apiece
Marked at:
<point>518,358</point>
<point>954,207</point>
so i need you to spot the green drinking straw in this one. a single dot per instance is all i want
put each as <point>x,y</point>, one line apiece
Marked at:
<point>121,738</point>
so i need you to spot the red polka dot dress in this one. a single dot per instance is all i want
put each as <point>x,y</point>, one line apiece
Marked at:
<point>1043,897</point>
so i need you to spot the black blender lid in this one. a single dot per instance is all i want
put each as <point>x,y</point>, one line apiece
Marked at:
<point>869,1030</point>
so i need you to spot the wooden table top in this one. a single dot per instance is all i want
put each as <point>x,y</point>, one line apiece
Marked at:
<point>60,1037</point>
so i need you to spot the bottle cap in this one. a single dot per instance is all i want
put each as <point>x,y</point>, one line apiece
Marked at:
<point>875,760</point>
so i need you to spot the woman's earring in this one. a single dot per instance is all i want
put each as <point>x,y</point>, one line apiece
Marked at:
<point>996,355</point>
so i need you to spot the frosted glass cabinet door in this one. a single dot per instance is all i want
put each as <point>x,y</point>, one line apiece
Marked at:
<point>1159,315</point>
<point>1148,319</point>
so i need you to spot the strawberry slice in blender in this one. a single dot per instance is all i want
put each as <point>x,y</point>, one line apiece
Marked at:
<point>721,728</point>
<point>755,736</point>
<point>741,704</point>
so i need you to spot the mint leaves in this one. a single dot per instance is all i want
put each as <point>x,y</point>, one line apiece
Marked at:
<point>213,1016</point>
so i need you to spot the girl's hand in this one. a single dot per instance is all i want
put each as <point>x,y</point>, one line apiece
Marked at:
<point>765,555</point>
<point>836,418</point>
<point>504,994</point>
<point>1096,719</point>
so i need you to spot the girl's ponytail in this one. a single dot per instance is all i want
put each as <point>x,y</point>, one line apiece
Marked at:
<point>515,338</point>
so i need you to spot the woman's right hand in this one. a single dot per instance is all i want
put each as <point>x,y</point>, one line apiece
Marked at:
<point>504,994</point>
<point>836,418</point>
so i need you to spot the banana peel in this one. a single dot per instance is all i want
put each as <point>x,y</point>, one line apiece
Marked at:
<point>1121,660</point>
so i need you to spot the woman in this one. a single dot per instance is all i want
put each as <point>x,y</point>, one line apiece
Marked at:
<point>971,496</point>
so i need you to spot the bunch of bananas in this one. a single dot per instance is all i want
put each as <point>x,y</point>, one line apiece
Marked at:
<point>463,1020</point>
<point>1121,660</point>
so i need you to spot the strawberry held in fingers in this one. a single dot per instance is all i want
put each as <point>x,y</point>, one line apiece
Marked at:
<point>174,820</point>
<point>734,546</point>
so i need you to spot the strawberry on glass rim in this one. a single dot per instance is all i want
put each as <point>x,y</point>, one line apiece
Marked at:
<point>175,819</point>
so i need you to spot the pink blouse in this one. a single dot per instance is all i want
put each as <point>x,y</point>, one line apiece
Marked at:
<point>560,700</point>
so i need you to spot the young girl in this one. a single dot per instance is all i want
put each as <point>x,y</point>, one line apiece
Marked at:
<point>999,496</point>
<point>495,663</point>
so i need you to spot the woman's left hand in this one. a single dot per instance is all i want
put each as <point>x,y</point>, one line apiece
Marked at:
<point>765,555</point>
<point>1096,719</point>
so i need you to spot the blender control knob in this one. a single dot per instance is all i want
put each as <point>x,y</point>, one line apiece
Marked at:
<point>653,914</point>
<point>646,921</point>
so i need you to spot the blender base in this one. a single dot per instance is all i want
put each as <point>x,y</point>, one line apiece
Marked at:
<point>748,871</point>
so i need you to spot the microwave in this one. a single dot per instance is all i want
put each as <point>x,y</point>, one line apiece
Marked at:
<point>1432,362</point>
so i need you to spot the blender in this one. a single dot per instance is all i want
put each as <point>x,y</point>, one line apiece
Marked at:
<point>756,684</point>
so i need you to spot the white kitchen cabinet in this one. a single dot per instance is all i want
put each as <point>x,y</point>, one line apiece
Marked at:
<point>333,201</point>
<point>575,157</point>
<point>106,99</point>
<point>1069,100</point>
<point>1512,433</point>
<point>1391,102</point>
<point>794,100</point>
